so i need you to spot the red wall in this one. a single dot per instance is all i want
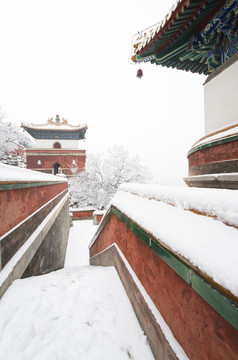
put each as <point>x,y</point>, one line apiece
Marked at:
<point>99,217</point>
<point>55,151</point>
<point>48,161</point>
<point>200,330</point>
<point>222,152</point>
<point>18,151</point>
<point>82,214</point>
<point>16,205</point>
<point>49,158</point>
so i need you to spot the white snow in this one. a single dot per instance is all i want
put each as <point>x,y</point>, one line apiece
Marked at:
<point>207,243</point>
<point>220,134</point>
<point>221,203</point>
<point>74,313</point>
<point>13,173</point>
<point>158,317</point>
<point>55,126</point>
<point>77,250</point>
<point>145,36</point>
<point>86,208</point>
<point>105,172</point>
<point>99,212</point>
<point>82,312</point>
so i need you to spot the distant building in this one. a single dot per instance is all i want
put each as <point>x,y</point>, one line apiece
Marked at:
<point>18,151</point>
<point>202,37</point>
<point>16,156</point>
<point>57,147</point>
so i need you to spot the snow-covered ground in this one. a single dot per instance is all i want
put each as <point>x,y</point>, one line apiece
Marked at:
<point>80,235</point>
<point>79,312</point>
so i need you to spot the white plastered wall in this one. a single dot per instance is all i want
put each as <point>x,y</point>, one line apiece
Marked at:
<point>65,144</point>
<point>221,99</point>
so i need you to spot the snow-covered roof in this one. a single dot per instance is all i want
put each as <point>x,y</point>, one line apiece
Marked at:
<point>15,174</point>
<point>205,241</point>
<point>141,39</point>
<point>52,125</point>
<point>56,129</point>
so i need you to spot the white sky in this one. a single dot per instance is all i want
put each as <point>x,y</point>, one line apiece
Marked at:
<point>70,57</point>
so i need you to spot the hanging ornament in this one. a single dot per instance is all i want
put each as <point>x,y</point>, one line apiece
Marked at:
<point>139,73</point>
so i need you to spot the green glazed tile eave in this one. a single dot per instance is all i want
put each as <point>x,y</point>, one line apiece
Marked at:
<point>133,227</point>
<point>211,144</point>
<point>214,298</point>
<point>179,267</point>
<point>169,258</point>
<point>15,186</point>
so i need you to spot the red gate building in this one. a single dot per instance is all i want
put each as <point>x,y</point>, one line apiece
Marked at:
<point>58,147</point>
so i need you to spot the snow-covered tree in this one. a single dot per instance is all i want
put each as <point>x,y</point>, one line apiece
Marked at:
<point>103,175</point>
<point>10,136</point>
<point>74,167</point>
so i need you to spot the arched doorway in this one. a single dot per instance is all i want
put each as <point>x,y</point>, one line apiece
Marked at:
<point>56,167</point>
<point>57,145</point>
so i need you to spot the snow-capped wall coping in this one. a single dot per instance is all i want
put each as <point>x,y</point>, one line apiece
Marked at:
<point>10,173</point>
<point>207,243</point>
<point>99,212</point>
<point>86,208</point>
<point>219,203</point>
<point>220,134</point>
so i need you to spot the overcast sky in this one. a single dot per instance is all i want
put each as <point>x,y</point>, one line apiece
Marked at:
<point>70,57</point>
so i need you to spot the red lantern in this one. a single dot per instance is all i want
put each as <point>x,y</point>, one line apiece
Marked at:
<point>139,74</point>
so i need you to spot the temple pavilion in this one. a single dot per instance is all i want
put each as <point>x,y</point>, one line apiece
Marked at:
<point>57,147</point>
<point>202,37</point>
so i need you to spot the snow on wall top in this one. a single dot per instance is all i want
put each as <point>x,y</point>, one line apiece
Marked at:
<point>99,212</point>
<point>220,203</point>
<point>15,174</point>
<point>86,208</point>
<point>206,243</point>
<point>223,133</point>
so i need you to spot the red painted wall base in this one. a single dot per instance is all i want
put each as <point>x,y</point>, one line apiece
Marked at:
<point>199,329</point>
